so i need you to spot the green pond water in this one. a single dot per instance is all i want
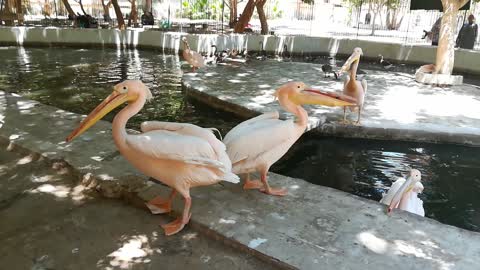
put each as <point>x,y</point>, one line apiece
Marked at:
<point>78,79</point>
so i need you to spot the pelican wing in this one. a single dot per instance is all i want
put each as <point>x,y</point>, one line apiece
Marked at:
<point>387,198</point>
<point>254,139</point>
<point>364,86</point>
<point>245,125</point>
<point>164,144</point>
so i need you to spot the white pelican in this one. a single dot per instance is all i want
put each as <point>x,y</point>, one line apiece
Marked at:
<point>403,194</point>
<point>192,57</point>
<point>179,155</point>
<point>256,144</point>
<point>352,87</point>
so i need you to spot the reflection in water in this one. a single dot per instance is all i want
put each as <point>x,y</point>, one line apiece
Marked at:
<point>450,174</point>
<point>77,80</point>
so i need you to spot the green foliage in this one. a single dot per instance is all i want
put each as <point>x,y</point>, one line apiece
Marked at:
<point>355,3</point>
<point>202,9</point>
<point>276,12</point>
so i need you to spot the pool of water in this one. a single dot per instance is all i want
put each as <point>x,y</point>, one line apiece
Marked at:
<point>450,174</point>
<point>78,79</point>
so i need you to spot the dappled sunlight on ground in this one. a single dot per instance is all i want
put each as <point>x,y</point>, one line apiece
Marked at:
<point>418,246</point>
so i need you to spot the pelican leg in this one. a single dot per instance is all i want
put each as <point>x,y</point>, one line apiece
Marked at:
<point>266,187</point>
<point>359,113</point>
<point>178,224</point>
<point>344,114</point>
<point>159,205</point>
<point>252,184</point>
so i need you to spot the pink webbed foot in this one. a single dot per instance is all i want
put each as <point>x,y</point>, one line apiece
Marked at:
<point>275,191</point>
<point>175,226</point>
<point>159,205</point>
<point>252,184</point>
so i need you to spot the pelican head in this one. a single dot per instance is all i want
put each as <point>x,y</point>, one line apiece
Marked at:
<point>357,52</point>
<point>299,93</point>
<point>126,91</point>
<point>413,177</point>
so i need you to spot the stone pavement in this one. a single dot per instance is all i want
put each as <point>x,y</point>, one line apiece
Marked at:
<point>52,218</point>
<point>48,221</point>
<point>396,107</point>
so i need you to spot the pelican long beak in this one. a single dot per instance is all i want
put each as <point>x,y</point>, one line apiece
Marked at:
<point>354,57</point>
<point>111,102</point>
<point>402,191</point>
<point>317,97</point>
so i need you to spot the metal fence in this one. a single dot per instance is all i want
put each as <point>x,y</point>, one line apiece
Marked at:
<point>331,18</point>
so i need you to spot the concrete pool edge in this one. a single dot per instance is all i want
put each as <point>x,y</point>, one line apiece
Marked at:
<point>465,60</point>
<point>272,232</point>
<point>325,125</point>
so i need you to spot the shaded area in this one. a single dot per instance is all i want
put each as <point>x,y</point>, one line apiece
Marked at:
<point>450,174</point>
<point>49,222</point>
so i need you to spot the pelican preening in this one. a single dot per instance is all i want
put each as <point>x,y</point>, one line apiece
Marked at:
<point>179,155</point>
<point>403,194</point>
<point>352,87</point>
<point>256,144</point>
<point>192,57</point>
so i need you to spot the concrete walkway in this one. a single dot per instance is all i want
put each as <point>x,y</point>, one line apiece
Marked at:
<point>396,106</point>
<point>48,221</point>
<point>314,227</point>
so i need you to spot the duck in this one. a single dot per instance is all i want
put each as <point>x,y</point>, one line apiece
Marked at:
<point>385,64</point>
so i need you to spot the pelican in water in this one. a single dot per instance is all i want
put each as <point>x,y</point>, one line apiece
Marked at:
<point>256,144</point>
<point>177,154</point>
<point>192,57</point>
<point>403,194</point>
<point>352,87</point>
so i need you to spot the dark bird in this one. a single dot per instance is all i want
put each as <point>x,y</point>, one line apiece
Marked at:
<point>285,53</point>
<point>384,63</point>
<point>263,53</point>
<point>326,68</point>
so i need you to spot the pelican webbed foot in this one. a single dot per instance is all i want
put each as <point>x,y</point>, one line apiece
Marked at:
<point>159,205</point>
<point>274,191</point>
<point>176,225</point>
<point>252,184</point>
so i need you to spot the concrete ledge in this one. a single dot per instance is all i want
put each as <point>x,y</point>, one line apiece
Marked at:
<point>438,79</point>
<point>313,227</point>
<point>396,107</point>
<point>466,60</point>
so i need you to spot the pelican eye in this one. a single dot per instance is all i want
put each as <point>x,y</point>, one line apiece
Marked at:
<point>298,86</point>
<point>123,90</point>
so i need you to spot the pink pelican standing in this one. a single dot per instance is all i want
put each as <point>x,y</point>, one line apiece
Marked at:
<point>192,57</point>
<point>352,87</point>
<point>179,155</point>
<point>403,194</point>
<point>256,144</point>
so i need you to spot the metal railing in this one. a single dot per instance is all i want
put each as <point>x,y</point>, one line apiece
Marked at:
<point>331,18</point>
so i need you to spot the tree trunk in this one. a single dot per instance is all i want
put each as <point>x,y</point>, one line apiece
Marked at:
<point>132,19</point>
<point>81,7</point>
<point>148,6</point>
<point>106,10</point>
<point>261,15</point>
<point>118,13</point>
<point>69,8</point>
<point>446,43</point>
<point>373,23</point>
<point>233,13</point>
<point>245,18</point>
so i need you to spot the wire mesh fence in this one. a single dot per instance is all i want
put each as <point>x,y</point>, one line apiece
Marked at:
<point>329,18</point>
